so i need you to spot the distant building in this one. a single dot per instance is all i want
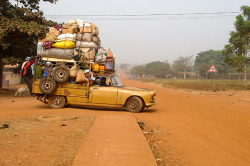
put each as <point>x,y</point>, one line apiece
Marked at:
<point>9,78</point>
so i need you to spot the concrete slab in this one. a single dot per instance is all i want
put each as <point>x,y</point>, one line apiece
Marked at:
<point>114,140</point>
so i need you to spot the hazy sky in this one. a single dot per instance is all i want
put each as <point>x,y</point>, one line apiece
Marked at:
<point>142,39</point>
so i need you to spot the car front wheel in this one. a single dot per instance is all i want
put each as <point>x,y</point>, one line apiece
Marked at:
<point>134,104</point>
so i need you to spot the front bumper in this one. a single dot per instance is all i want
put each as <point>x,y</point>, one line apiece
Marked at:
<point>150,104</point>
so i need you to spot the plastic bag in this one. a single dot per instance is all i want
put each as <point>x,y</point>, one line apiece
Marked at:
<point>67,37</point>
<point>40,49</point>
<point>79,22</point>
<point>87,24</point>
<point>100,58</point>
<point>65,44</point>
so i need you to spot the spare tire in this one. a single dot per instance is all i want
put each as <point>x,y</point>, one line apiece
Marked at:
<point>47,85</point>
<point>60,74</point>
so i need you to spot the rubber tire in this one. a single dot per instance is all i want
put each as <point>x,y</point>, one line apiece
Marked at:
<point>134,104</point>
<point>60,73</point>
<point>56,102</point>
<point>47,85</point>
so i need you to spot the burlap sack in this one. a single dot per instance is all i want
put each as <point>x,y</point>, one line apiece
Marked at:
<point>59,53</point>
<point>51,37</point>
<point>73,71</point>
<point>70,30</point>
<point>95,29</point>
<point>87,37</point>
<point>82,44</point>
<point>95,39</point>
<point>85,53</point>
<point>54,31</point>
<point>80,77</point>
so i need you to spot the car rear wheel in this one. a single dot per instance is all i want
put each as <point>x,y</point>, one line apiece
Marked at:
<point>134,104</point>
<point>56,102</point>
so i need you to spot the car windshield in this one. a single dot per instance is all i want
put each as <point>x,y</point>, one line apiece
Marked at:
<point>116,82</point>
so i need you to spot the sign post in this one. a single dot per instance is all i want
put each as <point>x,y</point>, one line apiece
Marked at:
<point>212,70</point>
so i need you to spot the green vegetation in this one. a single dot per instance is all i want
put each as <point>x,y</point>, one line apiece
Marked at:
<point>237,51</point>
<point>204,60</point>
<point>21,25</point>
<point>157,69</point>
<point>203,84</point>
<point>182,65</point>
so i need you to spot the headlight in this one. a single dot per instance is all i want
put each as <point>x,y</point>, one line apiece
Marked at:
<point>152,100</point>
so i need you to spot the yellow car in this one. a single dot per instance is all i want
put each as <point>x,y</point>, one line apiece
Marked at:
<point>108,91</point>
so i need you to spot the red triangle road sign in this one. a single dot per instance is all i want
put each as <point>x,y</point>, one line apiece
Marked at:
<point>212,69</point>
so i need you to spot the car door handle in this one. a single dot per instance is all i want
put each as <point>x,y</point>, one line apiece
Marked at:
<point>95,88</point>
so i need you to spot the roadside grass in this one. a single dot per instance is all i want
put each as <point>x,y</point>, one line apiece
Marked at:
<point>202,84</point>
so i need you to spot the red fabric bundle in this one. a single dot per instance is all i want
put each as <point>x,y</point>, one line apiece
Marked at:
<point>47,45</point>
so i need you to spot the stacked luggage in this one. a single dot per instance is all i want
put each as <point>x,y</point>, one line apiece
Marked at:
<point>76,52</point>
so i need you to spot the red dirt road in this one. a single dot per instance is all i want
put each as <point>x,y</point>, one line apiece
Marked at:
<point>203,129</point>
<point>194,129</point>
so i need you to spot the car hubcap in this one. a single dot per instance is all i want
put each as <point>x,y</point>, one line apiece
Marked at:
<point>61,74</point>
<point>133,104</point>
<point>47,85</point>
<point>57,101</point>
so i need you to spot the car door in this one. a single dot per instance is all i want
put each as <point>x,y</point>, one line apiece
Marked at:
<point>75,93</point>
<point>103,95</point>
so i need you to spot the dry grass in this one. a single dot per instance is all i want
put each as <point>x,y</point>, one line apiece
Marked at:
<point>199,84</point>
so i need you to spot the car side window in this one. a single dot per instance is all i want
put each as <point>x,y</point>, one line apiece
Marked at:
<point>102,81</point>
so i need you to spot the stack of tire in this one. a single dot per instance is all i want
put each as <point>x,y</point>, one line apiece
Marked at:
<point>59,74</point>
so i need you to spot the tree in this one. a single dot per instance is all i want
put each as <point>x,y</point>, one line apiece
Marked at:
<point>183,64</point>
<point>138,70</point>
<point>237,51</point>
<point>21,25</point>
<point>157,69</point>
<point>124,66</point>
<point>204,60</point>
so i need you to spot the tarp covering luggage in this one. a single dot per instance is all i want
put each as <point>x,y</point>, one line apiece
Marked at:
<point>59,53</point>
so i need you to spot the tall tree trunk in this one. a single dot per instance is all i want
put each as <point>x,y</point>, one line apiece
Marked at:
<point>1,72</point>
<point>245,77</point>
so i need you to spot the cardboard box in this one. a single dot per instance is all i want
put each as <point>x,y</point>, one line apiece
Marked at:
<point>70,29</point>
